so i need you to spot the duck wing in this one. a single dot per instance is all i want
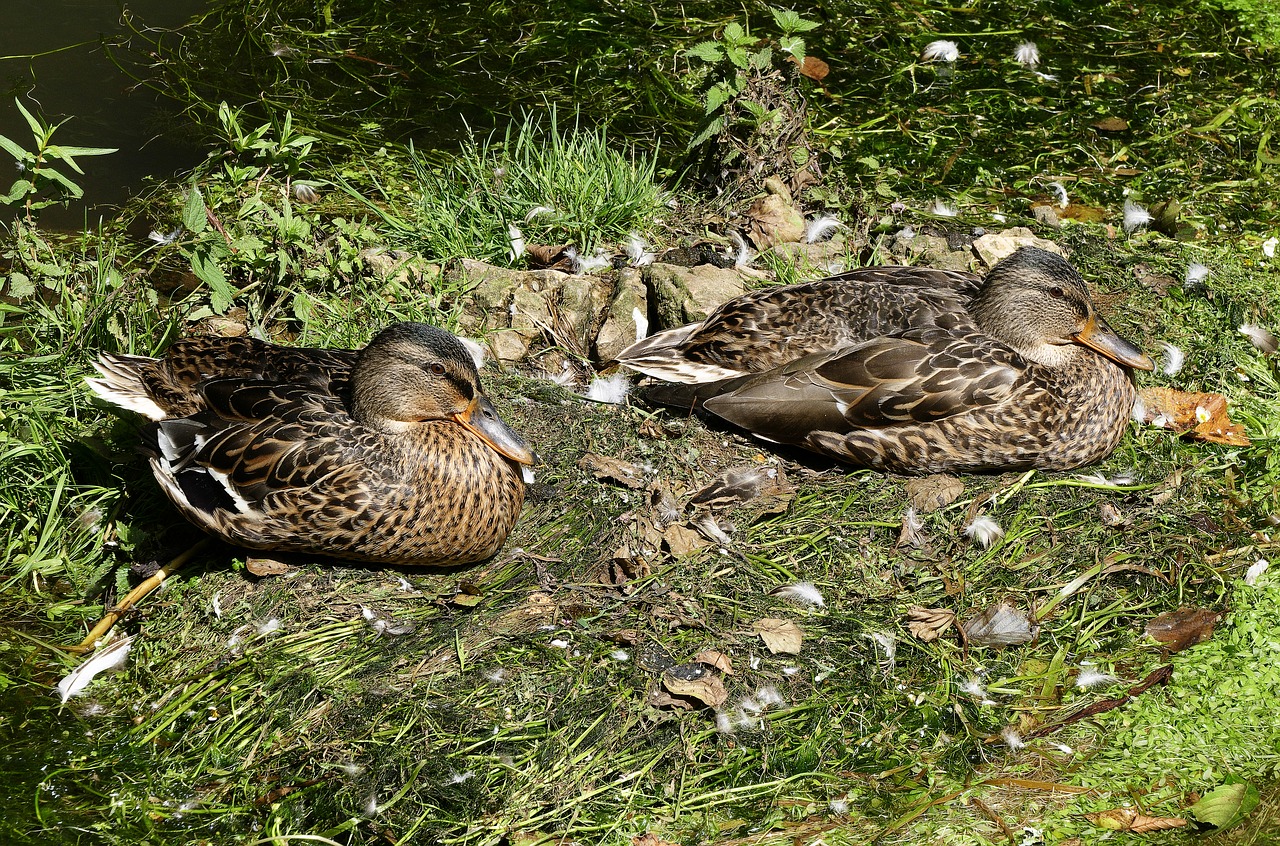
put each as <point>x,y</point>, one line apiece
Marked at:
<point>261,453</point>
<point>913,377</point>
<point>764,330</point>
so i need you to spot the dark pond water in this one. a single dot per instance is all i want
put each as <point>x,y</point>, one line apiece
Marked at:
<point>52,57</point>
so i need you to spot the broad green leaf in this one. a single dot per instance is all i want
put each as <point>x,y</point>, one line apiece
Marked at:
<point>793,46</point>
<point>762,59</point>
<point>19,287</point>
<point>738,56</point>
<point>1226,805</point>
<point>20,189</point>
<point>708,51</point>
<point>789,21</point>
<point>54,176</point>
<point>717,96</point>
<point>14,150</point>
<point>732,32</point>
<point>37,128</point>
<point>709,130</point>
<point>193,213</point>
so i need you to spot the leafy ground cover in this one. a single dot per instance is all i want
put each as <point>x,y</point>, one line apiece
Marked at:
<point>523,700</point>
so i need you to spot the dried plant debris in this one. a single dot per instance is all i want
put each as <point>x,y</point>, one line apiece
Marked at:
<point>1202,417</point>
<point>1133,821</point>
<point>265,567</point>
<point>766,486</point>
<point>681,541</point>
<point>615,470</point>
<point>781,637</point>
<point>1178,630</point>
<point>648,839</point>
<point>928,624</point>
<point>697,681</point>
<point>717,659</point>
<point>999,625</point>
<point>929,493</point>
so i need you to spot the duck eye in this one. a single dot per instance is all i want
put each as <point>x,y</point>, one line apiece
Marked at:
<point>437,368</point>
<point>1057,292</point>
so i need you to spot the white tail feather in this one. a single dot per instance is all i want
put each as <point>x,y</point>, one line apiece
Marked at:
<point>119,384</point>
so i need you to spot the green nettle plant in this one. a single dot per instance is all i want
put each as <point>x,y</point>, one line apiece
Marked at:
<point>40,181</point>
<point>756,118</point>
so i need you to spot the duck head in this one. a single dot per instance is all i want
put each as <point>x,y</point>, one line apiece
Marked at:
<point>1037,303</point>
<point>413,373</point>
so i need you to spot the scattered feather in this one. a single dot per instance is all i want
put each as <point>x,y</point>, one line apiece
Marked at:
<point>999,625</point>
<point>1260,337</point>
<point>1047,77</point>
<point>216,604</point>
<point>1255,571</point>
<point>839,807</point>
<point>590,263</point>
<point>1012,739</point>
<point>517,242</point>
<point>984,530</point>
<point>1269,247</point>
<point>270,626</point>
<point>459,778</point>
<point>404,585</point>
<point>804,593</point>
<point>476,350</point>
<point>940,51</point>
<point>1060,191</point>
<point>1028,54</point>
<point>1094,479</point>
<point>304,193</point>
<point>897,207</point>
<point>637,252</point>
<point>888,644</point>
<point>974,688</point>
<point>1135,216</point>
<point>1162,421</point>
<point>612,390</point>
<point>371,806</point>
<point>1063,748</point>
<point>769,697</point>
<point>1196,274</point>
<point>537,210</point>
<point>724,723</point>
<point>790,671</point>
<point>819,229</point>
<point>164,238</point>
<point>743,255</point>
<point>558,643</point>
<point>1139,410</point>
<point>498,676</point>
<point>943,209</point>
<point>1090,677</point>
<point>641,322</point>
<point>620,655</point>
<point>108,657</point>
<point>911,533</point>
<point>1172,358</point>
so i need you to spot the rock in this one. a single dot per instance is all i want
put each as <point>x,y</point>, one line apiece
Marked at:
<point>995,246</point>
<point>619,329</point>
<point>681,295</point>
<point>775,221</point>
<point>932,251</point>
<point>1047,216</point>
<point>400,266</point>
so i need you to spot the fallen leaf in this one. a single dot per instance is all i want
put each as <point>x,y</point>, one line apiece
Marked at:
<point>1178,630</point>
<point>930,493</point>
<point>813,67</point>
<point>613,470</point>
<point>659,698</point>
<point>713,658</point>
<point>781,637</point>
<point>775,221</point>
<point>697,681</point>
<point>1133,821</point>
<point>1225,805</point>
<point>546,257</point>
<point>681,541</point>
<point>1111,516</point>
<point>928,624</point>
<point>1082,213</point>
<point>1202,417</point>
<point>267,567</point>
<point>999,625</point>
<point>1111,124</point>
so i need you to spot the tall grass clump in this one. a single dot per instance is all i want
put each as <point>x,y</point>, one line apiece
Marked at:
<point>554,187</point>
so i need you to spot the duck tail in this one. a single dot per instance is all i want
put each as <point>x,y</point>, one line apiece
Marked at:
<point>662,356</point>
<point>121,382</point>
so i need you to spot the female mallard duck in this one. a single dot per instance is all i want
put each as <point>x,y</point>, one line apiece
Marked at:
<point>912,370</point>
<point>390,454</point>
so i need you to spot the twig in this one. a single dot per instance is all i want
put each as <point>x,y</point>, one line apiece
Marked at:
<point>993,816</point>
<point>157,578</point>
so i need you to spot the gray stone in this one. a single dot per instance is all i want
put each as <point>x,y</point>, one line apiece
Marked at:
<point>400,266</point>
<point>681,295</point>
<point>619,329</point>
<point>994,246</point>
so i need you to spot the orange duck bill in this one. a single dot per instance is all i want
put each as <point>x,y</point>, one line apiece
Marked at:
<point>1098,336</point>
<point>481,419</point>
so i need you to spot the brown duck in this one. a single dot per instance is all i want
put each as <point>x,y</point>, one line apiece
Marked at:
<point>390,454</point>
<point>912,370</point>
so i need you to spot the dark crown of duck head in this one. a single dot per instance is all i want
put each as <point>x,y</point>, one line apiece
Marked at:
<point>412,371</point>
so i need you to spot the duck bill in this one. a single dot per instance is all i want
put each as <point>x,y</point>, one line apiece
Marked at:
<point>1098,336</point>
<point>482,420</point>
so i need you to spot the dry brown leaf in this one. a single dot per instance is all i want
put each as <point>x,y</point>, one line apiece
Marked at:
<point>714,658</point>
<point>680,540</point>
<point>775,221</point>
<point>999,625</point>
<point>266,567</point>
<point>1177,630</point>
<point>1203,417</point>
<point>696,681</point>
<point>547,257</point>
<point>813,67</point>
<point>1111,124</point>
<point>613,470</point>
<point>659,698</point>
<point>928,624</point>
<point>781,637</point>
<point>930,493</point>
<point>1133,821</point>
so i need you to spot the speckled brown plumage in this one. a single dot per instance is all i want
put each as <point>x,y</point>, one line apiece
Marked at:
<point>390,455</point>
<point>912,370</point>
